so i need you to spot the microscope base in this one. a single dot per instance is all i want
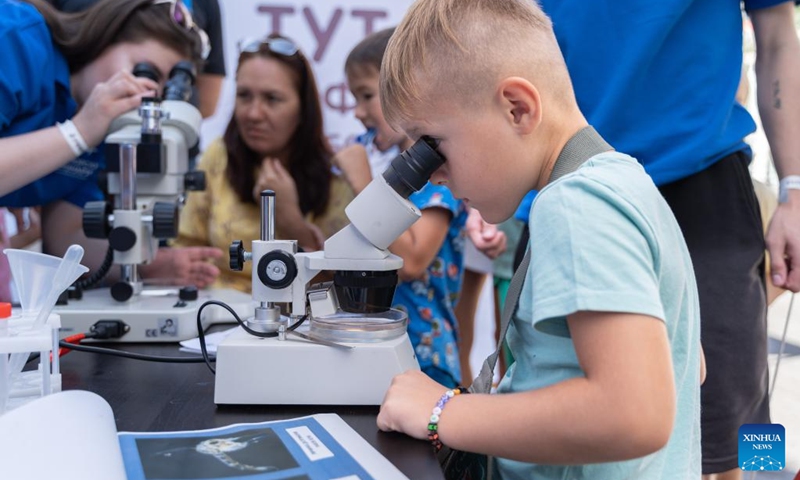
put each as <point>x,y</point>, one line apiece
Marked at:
<point>268,371</point>
<point>155,315</point>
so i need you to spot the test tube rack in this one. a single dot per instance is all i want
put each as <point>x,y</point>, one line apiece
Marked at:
<point>46,379</point>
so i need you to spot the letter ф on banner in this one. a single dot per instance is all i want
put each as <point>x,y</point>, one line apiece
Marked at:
<point>337,98</point>
<point>762,446</point>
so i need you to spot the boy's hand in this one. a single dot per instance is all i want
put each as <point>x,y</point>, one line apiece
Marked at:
<point>184,266</point>
<point>408,404</point>
<point>486,237</point>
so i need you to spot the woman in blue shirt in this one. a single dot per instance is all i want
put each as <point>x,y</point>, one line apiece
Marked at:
<point>64,79</point>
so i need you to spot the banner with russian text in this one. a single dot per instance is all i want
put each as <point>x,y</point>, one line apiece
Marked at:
<point>324,30</point>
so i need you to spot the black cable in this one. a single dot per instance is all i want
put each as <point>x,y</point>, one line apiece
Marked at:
<point>296,324</point>
<point>201,336</point>
<point>35,355</point>
<point>200,333</point>
<point>100,273</point>
<point>131,355</point>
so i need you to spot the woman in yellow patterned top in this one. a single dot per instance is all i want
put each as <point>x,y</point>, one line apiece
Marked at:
<point>274,141</point>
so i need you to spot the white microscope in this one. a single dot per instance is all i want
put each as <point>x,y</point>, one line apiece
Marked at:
<point>147,159</point>
<point>353,344</point>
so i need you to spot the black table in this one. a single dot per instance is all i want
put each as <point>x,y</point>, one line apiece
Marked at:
<point>157,397</point>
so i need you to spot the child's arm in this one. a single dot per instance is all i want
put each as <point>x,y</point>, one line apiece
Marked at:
<point>623,408</point>
<point>354,164</point>
<point>419,245</point>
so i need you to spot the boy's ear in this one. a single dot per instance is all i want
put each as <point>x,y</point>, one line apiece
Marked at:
<point>521,103</point>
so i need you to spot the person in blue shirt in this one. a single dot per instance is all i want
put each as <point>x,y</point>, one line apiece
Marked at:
<point>64,79</point>
<point>658,80</point>
<point>206,14</point>
<point>606,337</point>
<point>432,249</point>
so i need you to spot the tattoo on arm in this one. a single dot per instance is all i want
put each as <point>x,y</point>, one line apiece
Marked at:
<point>776,94</point>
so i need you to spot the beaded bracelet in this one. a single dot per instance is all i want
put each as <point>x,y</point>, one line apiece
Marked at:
<point>433,426</point>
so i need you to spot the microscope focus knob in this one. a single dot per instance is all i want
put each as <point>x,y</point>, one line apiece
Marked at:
<point>122,239</point>
<point>194,181</point>
<point>165,220</point>
<point>236,251</point>
<point>122,291</point>
<point>188,293</point>
<point>95,219</point>
<point>277,269</point>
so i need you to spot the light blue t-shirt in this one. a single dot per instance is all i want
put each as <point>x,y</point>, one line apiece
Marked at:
<point>606,241</point>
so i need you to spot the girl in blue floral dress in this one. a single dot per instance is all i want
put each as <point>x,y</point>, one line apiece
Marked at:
<point>432,248</point>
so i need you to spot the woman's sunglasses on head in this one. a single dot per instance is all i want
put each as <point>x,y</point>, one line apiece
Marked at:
<point>182,17</point>
<point>279,45</point>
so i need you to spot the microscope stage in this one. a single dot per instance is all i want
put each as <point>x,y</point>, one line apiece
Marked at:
<point>268,371</point>
<point>155,315</point>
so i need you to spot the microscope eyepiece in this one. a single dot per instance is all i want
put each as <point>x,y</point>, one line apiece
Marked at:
<point>410,170</point>
<point>180,82</point>
<point>181,79</point>
<point>146,70</point>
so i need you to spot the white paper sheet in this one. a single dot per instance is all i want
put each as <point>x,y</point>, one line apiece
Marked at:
<point>65,436</point>
<point>212,340</point>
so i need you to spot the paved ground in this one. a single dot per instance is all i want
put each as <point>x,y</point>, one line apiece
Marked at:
<point>785,401</point>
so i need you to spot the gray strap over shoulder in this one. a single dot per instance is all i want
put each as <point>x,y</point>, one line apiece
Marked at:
<point>582,146</point>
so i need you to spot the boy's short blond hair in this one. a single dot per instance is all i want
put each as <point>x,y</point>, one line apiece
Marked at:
<point>460,46</point>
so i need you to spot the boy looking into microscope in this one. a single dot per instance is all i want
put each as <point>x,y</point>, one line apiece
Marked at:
<point>606,380</point>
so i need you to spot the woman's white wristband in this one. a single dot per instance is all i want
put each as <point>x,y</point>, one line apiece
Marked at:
<point>73,137</point>
<point>791,182</point>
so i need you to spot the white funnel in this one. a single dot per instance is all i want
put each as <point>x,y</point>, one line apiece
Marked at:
<point>37,276</point>
<point>40,279</point>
